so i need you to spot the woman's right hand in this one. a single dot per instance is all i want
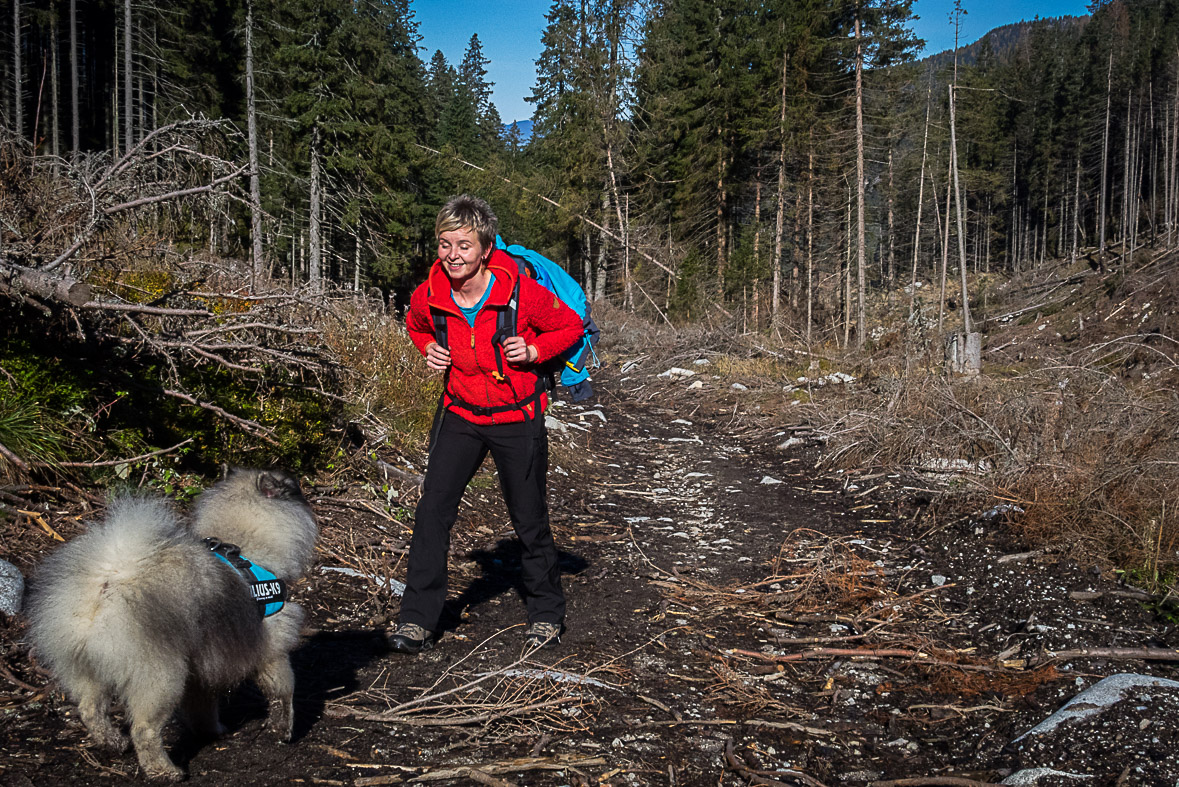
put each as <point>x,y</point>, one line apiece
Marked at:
<point>437,357</point>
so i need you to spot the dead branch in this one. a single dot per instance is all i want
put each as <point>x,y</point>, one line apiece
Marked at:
<point>1119,654</point>
<point>934,781</point>
<point>135,308</point>
<point>450,721</point>
<point>19,280</point>
<point>113,462</point>
<point>558,763</point>
<point>12,457</point>
<point>245,424</point>
<point>870,653</point>
<point>737,763</point>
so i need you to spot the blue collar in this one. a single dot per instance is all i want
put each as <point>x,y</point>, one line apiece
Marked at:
<point>268,590</point>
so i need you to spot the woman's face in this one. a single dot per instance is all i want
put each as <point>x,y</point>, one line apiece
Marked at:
<point>461,254</point>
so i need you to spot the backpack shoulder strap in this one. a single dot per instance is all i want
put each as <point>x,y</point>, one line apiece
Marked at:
<point>439,320</point>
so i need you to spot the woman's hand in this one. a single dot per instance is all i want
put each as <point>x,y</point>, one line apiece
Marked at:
<point>437,358</point>
<point>517,351</point>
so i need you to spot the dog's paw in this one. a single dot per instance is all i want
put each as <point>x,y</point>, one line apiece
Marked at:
<point>160,772</point>
<point>281,719</point>
<point>110,739</point>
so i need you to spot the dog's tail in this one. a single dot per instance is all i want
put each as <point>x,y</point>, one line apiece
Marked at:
<point>85,595</point>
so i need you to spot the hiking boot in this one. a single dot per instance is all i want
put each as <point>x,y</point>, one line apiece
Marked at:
<point>411,638</point>
<point>542,635</point>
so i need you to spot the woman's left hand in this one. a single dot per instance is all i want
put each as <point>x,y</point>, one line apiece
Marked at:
<point>517,351</point>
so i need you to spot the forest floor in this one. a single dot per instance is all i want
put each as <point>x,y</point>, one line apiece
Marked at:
<point>736,616</point>
<point>739,614</point>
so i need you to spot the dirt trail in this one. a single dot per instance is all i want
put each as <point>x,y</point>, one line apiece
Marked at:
<point>717,585</point>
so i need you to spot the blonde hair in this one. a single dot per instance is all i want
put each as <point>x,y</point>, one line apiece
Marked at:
<point>467,212</point>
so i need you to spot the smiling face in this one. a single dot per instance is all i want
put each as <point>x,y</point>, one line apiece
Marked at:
<point>461,254</point>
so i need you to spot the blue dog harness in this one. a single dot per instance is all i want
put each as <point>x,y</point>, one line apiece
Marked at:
<point>268,590</point>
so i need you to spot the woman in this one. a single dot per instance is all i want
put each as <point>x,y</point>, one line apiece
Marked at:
<point>493,402</point>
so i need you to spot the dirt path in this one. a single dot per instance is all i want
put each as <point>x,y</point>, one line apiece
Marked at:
<point>718,586</point>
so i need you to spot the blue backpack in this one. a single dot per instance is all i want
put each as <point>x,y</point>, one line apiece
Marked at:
<point>572,366</point>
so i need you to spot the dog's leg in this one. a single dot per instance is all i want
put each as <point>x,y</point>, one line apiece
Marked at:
<point>150,704</point>
<point>94,706</point>
<point>201,712</point>
<point>277,681</point>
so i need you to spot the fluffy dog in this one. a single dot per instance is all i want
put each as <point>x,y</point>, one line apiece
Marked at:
<point>140,609</point>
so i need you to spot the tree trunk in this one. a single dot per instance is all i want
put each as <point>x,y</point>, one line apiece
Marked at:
<point>252,133</point>
<point>314,256</point>
<point>1104,163</point>
<point>920,205</point>
<point>1173,215</point>
<point>861,283</point>
<point>18,110</point>
<point>630,296</point>
<point>54,113</point>
<point>1076,209</point>
<point>810,236</point>
<point>128,125</point>
<point>721,200</point>
<point>356,264</point>
<point>941,302</point>
<point>75,123</point>
<point>892,271</point>
<point>781,207</point>
<point>1125,233</point>
<point>847,269</point>
<point>756,249</point>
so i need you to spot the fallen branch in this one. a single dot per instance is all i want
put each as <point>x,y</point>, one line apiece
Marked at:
<point>112,462</point>
<point>737,764</point>
<point>447,721</point>
<point>13,458</point>
<point>63,289</point>
<point>558,763</point>
<point>252,427</point>
<point>1119,654</point>
<point>871,653</point>
<point>934,781</point>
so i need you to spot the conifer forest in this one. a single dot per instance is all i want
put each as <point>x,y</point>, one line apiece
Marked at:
<point>786,162</point>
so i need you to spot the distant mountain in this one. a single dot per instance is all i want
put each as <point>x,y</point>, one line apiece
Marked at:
<point>523,129</point>
<point>1002,41</point>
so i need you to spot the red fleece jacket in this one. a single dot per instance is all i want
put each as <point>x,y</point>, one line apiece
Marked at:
<point>542,319</point>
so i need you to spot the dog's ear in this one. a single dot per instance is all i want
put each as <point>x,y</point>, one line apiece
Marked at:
<point>277,484</point>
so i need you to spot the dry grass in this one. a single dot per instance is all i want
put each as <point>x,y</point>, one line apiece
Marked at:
<point>389,380</point>
<point>1087,455</point>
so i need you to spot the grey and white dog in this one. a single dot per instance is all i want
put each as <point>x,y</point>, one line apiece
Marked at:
<point>140,610</point>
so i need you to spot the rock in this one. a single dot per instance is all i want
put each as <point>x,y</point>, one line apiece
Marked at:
<point>12,588</point>
<point>676,373</point>
<point>1098,698</point>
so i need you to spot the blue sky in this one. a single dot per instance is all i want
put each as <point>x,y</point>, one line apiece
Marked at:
<point>510,32</point>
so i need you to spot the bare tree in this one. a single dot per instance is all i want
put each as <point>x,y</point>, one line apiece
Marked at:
<point>314,257</point>
<point>861,282</point>
<point>1104,162</point>
<point>920,205</point>
<point>128,124</point>
<point>252,132</point>
<point>74,110</point>
<point>18,115</point>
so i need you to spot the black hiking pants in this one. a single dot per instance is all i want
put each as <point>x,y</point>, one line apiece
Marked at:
<point>521,454</point>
